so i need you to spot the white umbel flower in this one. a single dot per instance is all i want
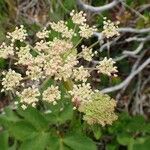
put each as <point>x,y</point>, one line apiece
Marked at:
<point>19,34</point>
<point>11,80</point>
<point>66,69</point>
<point>86,53</point>
<point>78,18</point>
<point>81,74</point>
<point>29,96</point>
<point>110,29</point>
<point>6,51</point>
<point>43,34</point>
<point>62,28</point>
<point>52,65</point>
<point>41,46</point>
<point>24,56</point>
<point>106,66</point>
<point>81,93</point>
<point>51,94</point>
<point>58,46</point>
<point>86,31</point>
<point>34,72</point>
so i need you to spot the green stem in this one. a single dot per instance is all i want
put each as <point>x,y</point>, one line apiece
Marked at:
<point>78,43</point>
<point>45,81</point>
<point>93,44</point>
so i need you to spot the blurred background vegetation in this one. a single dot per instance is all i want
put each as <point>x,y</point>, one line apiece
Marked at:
<point>132,130</point>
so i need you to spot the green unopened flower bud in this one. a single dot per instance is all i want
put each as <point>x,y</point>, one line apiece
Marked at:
<point>100,110</point>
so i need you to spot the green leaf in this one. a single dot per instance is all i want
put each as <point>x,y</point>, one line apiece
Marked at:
<point>4,140</point>
<point>37,143</point>
<point>60,113</point>
<point>136,124</point>
<point>36,118</point>
<point>11,115</point>
<point>8,118</point>
<point>79,142</point>
<point>14,146</point>
<point>124,139</point>
<point>2,63</point>
<point>3,120</point>
<point>141,144</point>
<point>97,131</point>
<point>56,143</point>
<point>112,146</point>
<point>22,130</point>
<point>115,80</point>
<point>69,4</point>
<point>65,114</point>
<point>104,80</point>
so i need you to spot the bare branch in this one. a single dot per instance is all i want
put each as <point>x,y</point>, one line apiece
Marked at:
<point>141,39</point>
<point>97,9</point>
<point>130,53</point>
<point>98,35</point>
<point>132,30</point>
<point>133,53</point>
<point>128,79</point>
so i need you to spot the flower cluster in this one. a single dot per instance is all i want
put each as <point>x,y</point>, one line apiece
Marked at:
<point>106,66</point>
<point>51,95</point>
<point>110,29</point>
<point>18,34</point>
<point>86,31</point>
<point>81,74</point>
<point>81,94</point>
<point>6,51</point>
<point>86,53</point>
<point>41,46</point>
<point>29,96</point>
<point>43,34</point>
<point>34,72</point>
<point>100,110</point>
<point>78,18</point>
<point>57,60</point>
<point>24,56</point>
<point>58,46</point>
<point>62,28</point>
<point>11,80</point>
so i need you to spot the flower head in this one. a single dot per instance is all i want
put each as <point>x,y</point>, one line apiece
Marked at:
<point>86,31</point>
<point>66,69</point>
<point>81,74</point>
<point>58,46</point>
<point>81,93</point>
<point>41,46</point>
<point>51,94</point>
<point>78,18</point>
<point>6,51</point>
<point>106,66</point>
<point>62,28</point>
<point>19,34</point>
<point>86,53</point>
<point>34,72</point>
<point>110,29</point>
<point>11,80</point>
<point>29,96</point>
<point>24,56</point>
<point>52,65</point>
<point>43,34</point>
<point>100,110</point>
